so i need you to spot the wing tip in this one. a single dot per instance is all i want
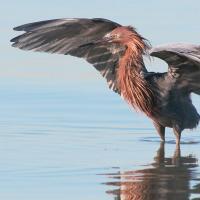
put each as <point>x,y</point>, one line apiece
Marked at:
<point>17,28</point>
<point>13,39</point>
<point>21,27</point>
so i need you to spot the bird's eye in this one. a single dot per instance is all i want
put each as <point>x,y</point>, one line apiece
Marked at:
<point>115,36</point>
<point>111,36</point>
<point>175,75</point>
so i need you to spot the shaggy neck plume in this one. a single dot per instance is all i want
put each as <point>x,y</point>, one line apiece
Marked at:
<point>135,89</point>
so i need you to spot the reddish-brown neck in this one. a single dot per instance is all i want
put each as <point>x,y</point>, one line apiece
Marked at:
<point>134,89</point>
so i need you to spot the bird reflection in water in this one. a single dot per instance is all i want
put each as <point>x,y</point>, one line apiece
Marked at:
<point>167,178</point>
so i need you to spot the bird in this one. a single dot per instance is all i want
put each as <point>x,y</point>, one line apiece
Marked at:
<point>118,52</point>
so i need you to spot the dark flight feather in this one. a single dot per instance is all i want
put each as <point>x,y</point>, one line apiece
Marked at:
<point>77,37</point>
<point>184,64</point>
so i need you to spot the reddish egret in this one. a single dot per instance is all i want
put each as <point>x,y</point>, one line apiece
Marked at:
<point>117,52</point>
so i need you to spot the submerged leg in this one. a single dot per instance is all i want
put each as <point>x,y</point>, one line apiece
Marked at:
<point>161,130</point>
<point>177,132</point>
<point>176,159</point>
<point>160,156</point>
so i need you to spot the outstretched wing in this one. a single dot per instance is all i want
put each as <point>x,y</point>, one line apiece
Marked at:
<point>86,38</point>
<point>184,64</point>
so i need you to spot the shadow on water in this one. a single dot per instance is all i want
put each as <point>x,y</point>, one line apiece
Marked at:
<point>166,178</point>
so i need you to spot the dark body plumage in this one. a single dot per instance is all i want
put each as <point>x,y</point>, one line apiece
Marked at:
<point>174,107</point>
<point>117,53</point>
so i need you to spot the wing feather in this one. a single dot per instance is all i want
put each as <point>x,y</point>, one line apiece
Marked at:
<point>82,38</point>
<point>184,64</point>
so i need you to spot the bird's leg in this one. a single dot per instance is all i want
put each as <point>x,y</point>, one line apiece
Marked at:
<point>161,130</point>
<point>177,132</point>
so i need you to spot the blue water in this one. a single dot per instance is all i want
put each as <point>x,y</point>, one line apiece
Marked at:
<point>85,143</point>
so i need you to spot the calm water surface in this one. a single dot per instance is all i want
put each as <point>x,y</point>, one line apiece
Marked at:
<point>86,144</point>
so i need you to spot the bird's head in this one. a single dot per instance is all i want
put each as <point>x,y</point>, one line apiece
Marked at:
<point>127,36</point>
